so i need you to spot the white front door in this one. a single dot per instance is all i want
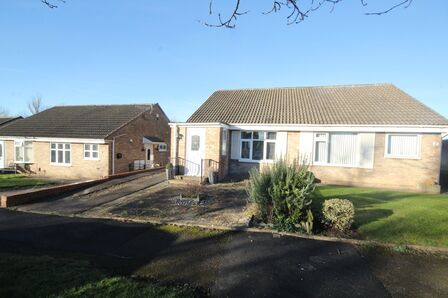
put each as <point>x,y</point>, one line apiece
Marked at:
<point>195,151</point>
<point>2,155</point>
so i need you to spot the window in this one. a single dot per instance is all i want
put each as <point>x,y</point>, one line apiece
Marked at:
<point>60,153</point>
<point>195,143</point>
<point>162,147</point>
<point>224,142</point>
<point>258,145</point>
<point>91,151</point>
<point>402,146</point>
<point>23,151</point>
<point>336,149</point>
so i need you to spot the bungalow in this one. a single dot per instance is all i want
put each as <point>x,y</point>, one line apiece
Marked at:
<point>366,135</point>
<point>8,120</point>
<point>85,142</point>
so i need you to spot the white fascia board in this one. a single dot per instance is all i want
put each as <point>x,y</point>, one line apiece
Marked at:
<point>184,124</point>
<point>55,140</point>
<point>341,128</point>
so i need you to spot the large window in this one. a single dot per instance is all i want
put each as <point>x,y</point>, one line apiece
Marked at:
<point>91,151</point>
<point>258,145</point>
<point>336,149</point>
<point>23,151</point>
<point>60,153</point>
<point>402,146</point>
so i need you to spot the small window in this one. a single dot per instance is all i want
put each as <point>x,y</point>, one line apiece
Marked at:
<point>271,135</point>
<point>91,151</point>
<point>23,151</point>
<point>246,135</point>
<point>195,143</point>
<point>162,147</point>
<point>224,142</point>
<point>60,153</point>
<point>402,146</point>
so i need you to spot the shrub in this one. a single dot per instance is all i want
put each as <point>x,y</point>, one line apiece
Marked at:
<point>283,194</point>
<point>338,214</point>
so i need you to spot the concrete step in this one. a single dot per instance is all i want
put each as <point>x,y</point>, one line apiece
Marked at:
<point>180,179</point>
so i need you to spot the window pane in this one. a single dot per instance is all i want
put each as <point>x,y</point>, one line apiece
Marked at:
<point>256,135</point>
<point>60,157</point>
<point>87,147</point>
<point>271,135</point>
<point>67,146</point>
<point>320,154</point>
<point>257,153</point>
<point>195,143</point>
<point>246,135</point>
<point>53,146</point>
<point>28,154</point>
<point>67,156</point>
<point>60,146</point>
<point>53,155</point>
<point>87,154</point>
<point>403,145</point>
<point>270,150</point>
<point>95,154</point>
<point>95,147</point>
<point>343,148</point>
<point>245,149</point>
<point>1,150</point>
<point>19,154</point>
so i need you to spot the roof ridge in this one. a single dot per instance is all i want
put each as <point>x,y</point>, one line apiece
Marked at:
<point>107,105</point>
<point>317,86</point>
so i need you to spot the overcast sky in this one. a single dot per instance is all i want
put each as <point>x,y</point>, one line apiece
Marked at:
<point>119,52</point>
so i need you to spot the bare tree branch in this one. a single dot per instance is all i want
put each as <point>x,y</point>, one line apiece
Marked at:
<point>51,5</point>
<point>405,4</point>
<point>35,105</point>
<point>228,23</point>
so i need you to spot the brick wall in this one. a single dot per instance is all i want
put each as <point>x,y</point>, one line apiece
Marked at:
<point>78,169</point>
<point>129,139</point>
<point>406,174</point>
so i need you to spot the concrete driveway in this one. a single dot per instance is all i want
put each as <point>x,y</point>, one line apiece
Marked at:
<point>250,264</point>
<point>95,196</point>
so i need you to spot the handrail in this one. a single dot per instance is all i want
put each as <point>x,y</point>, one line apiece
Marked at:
<point>205,166</point>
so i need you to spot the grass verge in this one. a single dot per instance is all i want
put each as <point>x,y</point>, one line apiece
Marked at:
<point>13,181</point>
<point>395,217</point>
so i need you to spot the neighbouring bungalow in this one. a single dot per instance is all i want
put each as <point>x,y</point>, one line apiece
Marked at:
<point>365,135</point>
<point>87,142</point>
<point>4,121</point>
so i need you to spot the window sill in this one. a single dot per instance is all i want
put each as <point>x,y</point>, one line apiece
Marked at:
<point>337,166</point>
<point>255,161</point>
<point>402,157</point>
<point>60,164</point>
<point>92,159</point>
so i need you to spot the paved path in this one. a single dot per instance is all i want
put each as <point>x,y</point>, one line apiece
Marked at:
<point>95,196</point>
<point>253,264</point>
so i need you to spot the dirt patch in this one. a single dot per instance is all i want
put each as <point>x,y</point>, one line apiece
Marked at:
<point>222,204</point>
<point>409,274</point>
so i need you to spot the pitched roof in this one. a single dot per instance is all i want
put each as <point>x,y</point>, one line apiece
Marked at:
<point>375,104</point>
<point>6,120</point>
<point>92,122</point>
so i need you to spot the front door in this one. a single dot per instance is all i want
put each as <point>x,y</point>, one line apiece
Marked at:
<point>2,155</point>
<point>195,151</point>
<point>149,156</point>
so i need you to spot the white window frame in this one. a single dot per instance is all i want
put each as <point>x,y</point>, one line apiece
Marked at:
<point>162,147</point>
<point>394,156</point>
<point>263,138</point>
<point>91,151</point>
<point>22,149</point>
<point>327,140</point>
<point>63,154</point>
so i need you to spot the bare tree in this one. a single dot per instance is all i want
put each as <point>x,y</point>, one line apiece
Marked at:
<point>298,10</point>
<point>35,105</point>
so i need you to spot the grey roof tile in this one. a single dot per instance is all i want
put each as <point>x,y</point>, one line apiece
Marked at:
<point>374,104</point>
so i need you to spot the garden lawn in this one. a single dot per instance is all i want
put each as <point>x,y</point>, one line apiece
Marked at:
<point>46,276</point>
<point>395,217</point>
<point>14,180</point>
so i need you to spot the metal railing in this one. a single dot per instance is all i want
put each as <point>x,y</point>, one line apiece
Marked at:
<point>187,167</point>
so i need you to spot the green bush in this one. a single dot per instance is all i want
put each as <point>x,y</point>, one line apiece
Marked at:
<point>283,194</point>
<point>338,214</point>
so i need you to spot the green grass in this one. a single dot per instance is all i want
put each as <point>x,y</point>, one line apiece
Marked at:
<point>13,180</point>
<point>45,276</point>
<point>395,217</point>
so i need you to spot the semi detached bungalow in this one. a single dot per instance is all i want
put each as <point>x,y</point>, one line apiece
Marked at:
<point>366,135</point>
<point>85,142</point>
